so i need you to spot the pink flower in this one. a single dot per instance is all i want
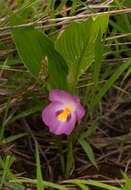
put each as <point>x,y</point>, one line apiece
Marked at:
<point>63,112</point>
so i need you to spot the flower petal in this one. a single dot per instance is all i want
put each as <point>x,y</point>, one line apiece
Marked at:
<point>80,111</point>
<point>60,96</point>
<point>51,119</point>
<point>64,127</point>
<point>65,98</point>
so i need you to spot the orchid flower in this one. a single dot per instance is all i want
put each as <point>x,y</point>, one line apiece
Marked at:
<point>63,112</point>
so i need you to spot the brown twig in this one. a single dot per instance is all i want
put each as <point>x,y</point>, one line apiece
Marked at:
<point>118,36</point>
<point>67,19</point>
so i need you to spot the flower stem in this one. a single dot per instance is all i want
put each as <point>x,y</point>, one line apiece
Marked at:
<point>59,145</point>
<point>69,162</point>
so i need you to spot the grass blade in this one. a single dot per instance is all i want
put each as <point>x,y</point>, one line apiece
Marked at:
<point>109,83</point>
<point>5,171</point>
<point>94,183</point>
<point>46,183</point>
<point>39,174</point>
<point>88,150</point>
<point>12,138</point>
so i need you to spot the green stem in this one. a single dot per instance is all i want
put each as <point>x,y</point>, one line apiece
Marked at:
<point>69,161</point>
<point>59,146</point>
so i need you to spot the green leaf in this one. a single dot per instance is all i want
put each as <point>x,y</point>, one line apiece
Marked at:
<point>109,83</point>
<point>94,183</point>
<point>6,166</point>
<point>33,47</point>
<point>88,150</point>
<point>61,5</point>
<point>90,130</point>
<point>82,186</point>
<point>127,185</point>
<point>14,186</point>
<point>3,164</point>
<point>39,174</point>
<point>74,6</point>
<point>96,69</point>
<point>76,44</point>
<point>99,46</point>
<point>126,74</point>
<point>46,183</point>
<point>27,112</point>
<point>12,138</point>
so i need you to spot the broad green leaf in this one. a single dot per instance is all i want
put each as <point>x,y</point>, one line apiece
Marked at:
<point>76,44</point>
<point>33,47</point>
<point>96,67</point>
<point>87,148</point>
